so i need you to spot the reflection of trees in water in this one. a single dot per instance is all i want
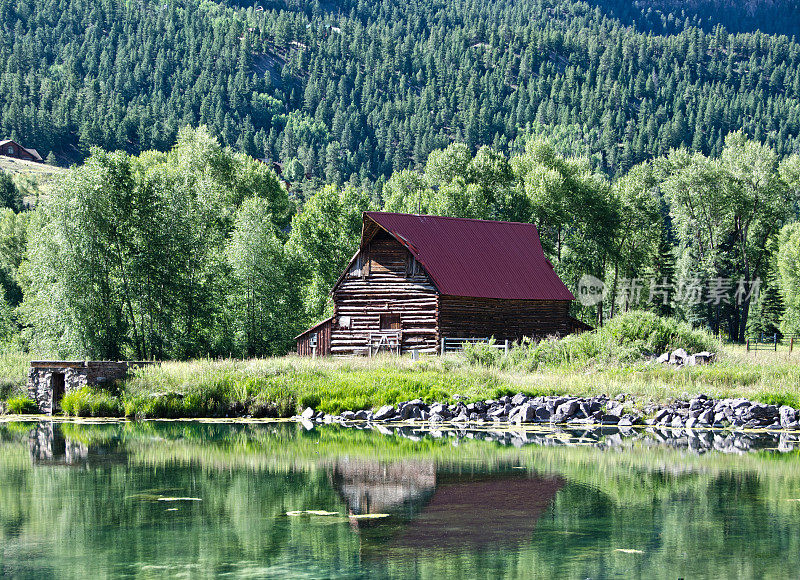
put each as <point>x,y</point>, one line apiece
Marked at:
<point>462,512</point>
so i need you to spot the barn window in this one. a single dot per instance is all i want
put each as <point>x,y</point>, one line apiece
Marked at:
<point>355,271</point>
<point>390,322</point>
<point>344,322</point>
<point>412,266</point>
<point>10,150</point>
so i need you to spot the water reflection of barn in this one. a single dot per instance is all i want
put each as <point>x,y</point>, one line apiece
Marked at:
<point>441,509</point>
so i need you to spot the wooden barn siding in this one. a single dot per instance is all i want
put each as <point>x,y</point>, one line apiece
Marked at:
<point>19,152</point>
<point>461,317</point>
<point>323,340</point>
<point>385,289</point>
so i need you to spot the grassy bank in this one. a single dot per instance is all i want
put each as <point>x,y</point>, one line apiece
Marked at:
<point>611,361</point>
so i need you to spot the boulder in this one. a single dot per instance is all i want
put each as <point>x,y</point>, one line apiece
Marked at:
<point>527,413</point>
<point>409,411</point>
<point>706,417</point>
<point>385,412</point>
<point>568,408</point>
<point>788,415</point>
<point>704,357</point>
<point>519,399</point>
<point>678,356</point>
<point>308,414</point>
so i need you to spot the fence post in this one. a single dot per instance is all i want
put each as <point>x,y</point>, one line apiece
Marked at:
<point>748,345</point>
<point>791,345</point>
<point>775,341</point>
<point>444,341</point>
<point>507,346</point>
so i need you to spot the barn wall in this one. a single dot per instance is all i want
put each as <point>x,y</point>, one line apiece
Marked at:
<point>461,317</point>
<point>17,152</point>
<point>383,280</point>
<point>323,331</point>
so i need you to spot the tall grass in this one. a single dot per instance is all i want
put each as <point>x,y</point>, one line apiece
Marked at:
<point>280,387</point>
<point>609,361</point>
<point>88,402</point>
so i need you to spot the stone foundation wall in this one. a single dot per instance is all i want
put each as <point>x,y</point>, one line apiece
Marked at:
<point>77,374</point>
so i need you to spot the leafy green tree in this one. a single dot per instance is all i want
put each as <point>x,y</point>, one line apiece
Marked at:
<point>127,256</point>
<point>788,262</point>
<point>726,211</point>
<point>266,294</point>
<point>10,195</point>
<point>324,236</point>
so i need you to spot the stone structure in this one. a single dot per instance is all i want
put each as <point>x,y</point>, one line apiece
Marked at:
<point>50,380</point>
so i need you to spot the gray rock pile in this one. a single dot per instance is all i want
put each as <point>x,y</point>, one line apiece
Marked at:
<point>680,358</point>
<point>700,412</point>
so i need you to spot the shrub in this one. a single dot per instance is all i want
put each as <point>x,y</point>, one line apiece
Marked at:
<point>652,334</point>
<point>627,338</point>
<point>21,406</point>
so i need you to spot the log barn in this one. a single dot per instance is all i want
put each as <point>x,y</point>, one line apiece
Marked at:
<point>417,279</point>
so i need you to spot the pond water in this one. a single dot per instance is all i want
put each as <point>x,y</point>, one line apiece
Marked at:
<point>201,499</point>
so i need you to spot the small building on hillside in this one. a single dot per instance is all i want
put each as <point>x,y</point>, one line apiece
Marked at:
<point>10,148</point>
<point>419,279</point>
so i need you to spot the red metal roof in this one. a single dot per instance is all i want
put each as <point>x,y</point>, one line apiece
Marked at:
<point>477,258</point>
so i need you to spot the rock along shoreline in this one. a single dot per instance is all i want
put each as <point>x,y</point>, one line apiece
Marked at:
<point>700,412</point>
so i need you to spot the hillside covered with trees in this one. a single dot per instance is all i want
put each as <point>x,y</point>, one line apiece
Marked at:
<point>645,140</point>
<point>356,90</point>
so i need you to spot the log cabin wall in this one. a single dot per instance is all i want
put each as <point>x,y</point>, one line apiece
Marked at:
<point>322,331</point>
<point>461,317</point>
<point>384,281</point>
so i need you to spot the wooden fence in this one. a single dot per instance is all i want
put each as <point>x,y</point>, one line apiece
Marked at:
<point>457,344</point>
<point>763,342</point>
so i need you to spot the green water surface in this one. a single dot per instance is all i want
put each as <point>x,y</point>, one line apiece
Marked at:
<point>195,500</point>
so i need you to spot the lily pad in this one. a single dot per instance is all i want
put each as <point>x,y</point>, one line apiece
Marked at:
<point>369,516</point>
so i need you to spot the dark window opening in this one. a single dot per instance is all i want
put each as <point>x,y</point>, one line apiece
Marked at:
<point>390,322</point>
<point>412,267</point>
<point>57,381</point>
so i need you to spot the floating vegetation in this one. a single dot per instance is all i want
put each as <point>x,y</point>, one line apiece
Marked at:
<point>179,499</point>
<point>312,513</point>
<point>628,551</point>
<point>368,516</point>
